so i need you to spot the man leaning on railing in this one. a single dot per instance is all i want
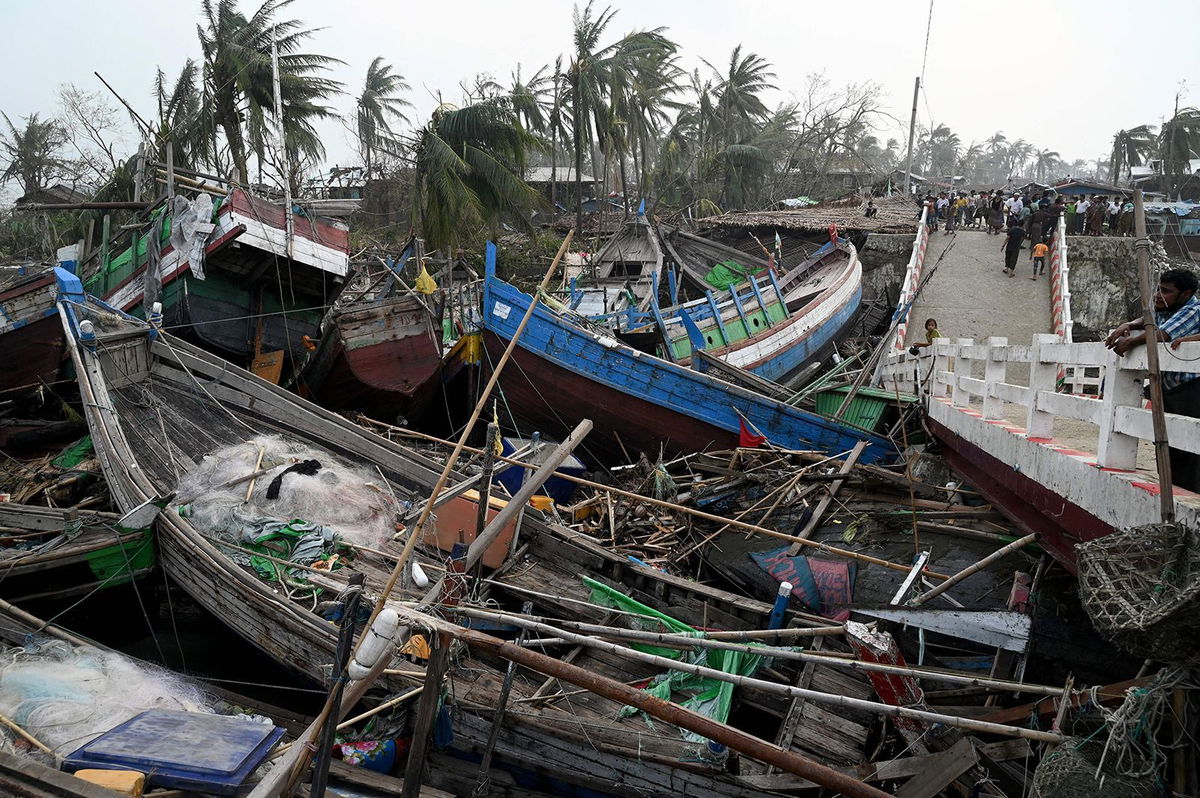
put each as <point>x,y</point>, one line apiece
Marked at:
<point>1177,314</point>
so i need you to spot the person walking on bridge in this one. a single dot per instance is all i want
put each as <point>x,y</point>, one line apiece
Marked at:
<point>1177,312</point>
<point>1012,247</point>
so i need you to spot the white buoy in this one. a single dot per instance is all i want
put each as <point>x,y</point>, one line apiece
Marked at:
<point>418,575</point>
<point>378,642</point>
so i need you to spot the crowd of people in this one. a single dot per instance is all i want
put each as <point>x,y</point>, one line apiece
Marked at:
<point>1021,217</point>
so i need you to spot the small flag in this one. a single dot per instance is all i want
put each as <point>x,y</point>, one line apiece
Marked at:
<point>747,439</point>
<point>778,248</point>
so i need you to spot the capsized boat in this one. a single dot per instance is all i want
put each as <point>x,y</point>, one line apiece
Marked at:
<point>568,369</point>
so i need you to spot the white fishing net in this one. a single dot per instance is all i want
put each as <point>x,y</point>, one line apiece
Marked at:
<point>65,696</point>
<point>355,503</point>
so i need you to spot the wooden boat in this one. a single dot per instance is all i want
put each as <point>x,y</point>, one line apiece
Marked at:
<point>251,293</point>
<point>379,352</point>
<point>30,332</point>
<point>58,553</point>
<point>695,257</point>
<point>134,380</point>
<point>623,274</point>
<point>767,328</point>
<point>567,371</point>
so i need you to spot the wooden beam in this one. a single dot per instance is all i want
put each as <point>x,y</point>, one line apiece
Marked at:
<point>815,519</point>
<point>435,672</point>
<point>1045,708</point>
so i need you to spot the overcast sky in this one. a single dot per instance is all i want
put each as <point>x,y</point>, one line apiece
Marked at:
<point>1063,74</point>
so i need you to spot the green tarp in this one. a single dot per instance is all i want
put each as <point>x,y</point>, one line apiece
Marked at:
<point>710,697</point>
<point>729,273</point>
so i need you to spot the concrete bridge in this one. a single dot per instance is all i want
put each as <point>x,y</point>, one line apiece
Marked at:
<point>1054,433</point>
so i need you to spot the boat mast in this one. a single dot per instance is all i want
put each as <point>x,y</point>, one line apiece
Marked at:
<point>287,172</point>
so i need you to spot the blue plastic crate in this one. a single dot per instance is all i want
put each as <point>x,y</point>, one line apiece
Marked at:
<point>181,750</point>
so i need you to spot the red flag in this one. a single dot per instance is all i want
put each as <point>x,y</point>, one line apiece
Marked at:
<point>747,439</point>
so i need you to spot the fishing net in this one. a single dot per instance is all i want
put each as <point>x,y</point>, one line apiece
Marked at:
<point>307,490</point>
<point>66,696</point>
<point>1141,589</point>
<point>1072,771</point>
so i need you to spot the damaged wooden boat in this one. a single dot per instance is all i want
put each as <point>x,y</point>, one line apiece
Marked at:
<point>568,369</point>
<point>30,332</point>
<point>772,326</point>
<point>623,275</point>
<point>696,258</point>
<point>49,553</point>
<point>158,405</point>
<point>246,279</point>
<point>380,350</point>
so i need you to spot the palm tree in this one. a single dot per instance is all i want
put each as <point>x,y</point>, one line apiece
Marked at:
<point>238,83</point>
<point>528,99</point>
<point>593,71</point>
<point>1130,148</point>
<point>1016,156</point>
<point>33,152</point>
<point>469,163</point>
<point>1043,162</point>
<point>378,107</point>
<point>739,106</point>
<point>1179,143</point>
<point>179,117</point>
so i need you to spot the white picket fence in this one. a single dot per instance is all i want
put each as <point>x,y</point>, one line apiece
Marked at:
<point>973,377</point>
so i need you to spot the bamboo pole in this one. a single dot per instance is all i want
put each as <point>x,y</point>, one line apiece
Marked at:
<point>418,527</point>
<point>1162,456</point>
<point>852,555</point>
<point>973,569</point>
<point>257,465</point>
<point>687,641</point>
<point>41,746</point>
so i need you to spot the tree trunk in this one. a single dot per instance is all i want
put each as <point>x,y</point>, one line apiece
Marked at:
<point>624,185</point>
<point>577,124</point>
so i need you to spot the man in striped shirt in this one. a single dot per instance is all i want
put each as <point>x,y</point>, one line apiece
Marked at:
<point>1177,312</point>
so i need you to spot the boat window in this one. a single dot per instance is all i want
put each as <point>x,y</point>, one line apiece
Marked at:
<point>755,322</point>
<point>710,340</point>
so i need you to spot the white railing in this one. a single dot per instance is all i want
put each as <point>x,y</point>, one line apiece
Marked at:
<point>973,377</point>
<point>912,280</point>
<point>1060,295</point>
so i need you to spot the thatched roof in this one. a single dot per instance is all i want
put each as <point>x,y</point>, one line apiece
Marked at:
<point>896,215</point>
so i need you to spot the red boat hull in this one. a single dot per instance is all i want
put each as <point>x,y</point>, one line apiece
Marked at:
<point>547,398</point>
<point>384,360</point>
<point>34,345</point>
<point>1033,507</point>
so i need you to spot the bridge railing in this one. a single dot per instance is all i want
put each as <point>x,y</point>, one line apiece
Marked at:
<point>908,290</point>
<point>972,377</point>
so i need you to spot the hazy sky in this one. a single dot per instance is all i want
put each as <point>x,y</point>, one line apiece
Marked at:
<point>1063,74</point>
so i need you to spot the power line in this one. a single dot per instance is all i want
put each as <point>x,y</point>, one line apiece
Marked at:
<point>928,28</point>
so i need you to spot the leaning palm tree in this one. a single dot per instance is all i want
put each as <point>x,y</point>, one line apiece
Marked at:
<point>238,82</point>
<point>593,71</point>
<point>1130,148</point>
<point>1179,143</point>
<point>739,89</point>
<point>180,120</point>
<point>378,107</point>
<point>469,163</point>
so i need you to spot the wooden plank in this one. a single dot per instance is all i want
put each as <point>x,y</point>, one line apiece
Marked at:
<point>25,777</point>
<point>943,768</point>
<point>815,519</point>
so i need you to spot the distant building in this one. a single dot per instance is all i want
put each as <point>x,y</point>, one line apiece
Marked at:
<point>563,178</point>
<point>1079,188</point>
<point>59,193</point>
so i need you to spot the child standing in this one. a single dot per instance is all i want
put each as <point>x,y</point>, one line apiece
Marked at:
<point>1039,259</point>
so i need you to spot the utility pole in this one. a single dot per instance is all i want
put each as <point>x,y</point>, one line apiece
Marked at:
<point>912,126</point>
<point>286,167</point>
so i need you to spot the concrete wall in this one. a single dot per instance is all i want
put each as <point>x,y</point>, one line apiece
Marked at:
<point>1104,282</point>
<point>884,258</point>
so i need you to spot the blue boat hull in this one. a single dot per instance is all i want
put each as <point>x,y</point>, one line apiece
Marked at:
<point>563,373</point>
